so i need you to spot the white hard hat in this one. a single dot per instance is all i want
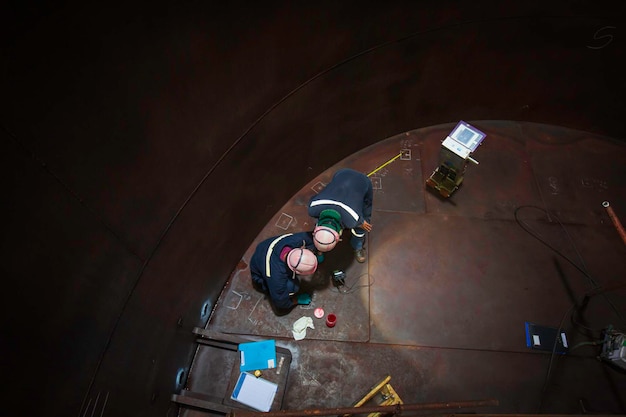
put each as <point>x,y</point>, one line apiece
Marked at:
<point>302,261</point>
<point>325,238</point>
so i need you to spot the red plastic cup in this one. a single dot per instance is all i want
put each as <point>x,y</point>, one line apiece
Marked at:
<point>331,320</point>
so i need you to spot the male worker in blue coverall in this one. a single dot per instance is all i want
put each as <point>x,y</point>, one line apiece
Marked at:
<point>346,202</point>
<point>275,264</point>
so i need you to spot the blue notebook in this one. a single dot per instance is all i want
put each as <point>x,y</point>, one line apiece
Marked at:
<point>545,338</point>
<point>257,355</point>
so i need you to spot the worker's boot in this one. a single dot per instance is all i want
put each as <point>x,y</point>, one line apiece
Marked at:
<point>360,255</point>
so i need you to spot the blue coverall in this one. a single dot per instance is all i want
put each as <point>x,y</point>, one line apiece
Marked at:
<point>271,273</point>
<point>351,194</point>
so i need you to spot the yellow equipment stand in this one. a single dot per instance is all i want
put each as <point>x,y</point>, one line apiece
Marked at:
<point>382,394</point>
<point>454,156</point>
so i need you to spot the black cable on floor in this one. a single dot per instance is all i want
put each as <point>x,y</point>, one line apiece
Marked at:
<point>552,354</point>
<point>582,270</point>
<point>352,288</point>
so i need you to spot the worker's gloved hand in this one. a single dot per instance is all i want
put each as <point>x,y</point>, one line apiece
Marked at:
<point>304,299</point>
<point>320,257</point>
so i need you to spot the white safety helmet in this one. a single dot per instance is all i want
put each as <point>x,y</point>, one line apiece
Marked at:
<point>302,261</point>
<point>327,230</point>
<point>325,238</point>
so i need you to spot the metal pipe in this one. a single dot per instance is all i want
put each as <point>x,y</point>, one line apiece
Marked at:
<point>390,409</point>
<point>616,222</point>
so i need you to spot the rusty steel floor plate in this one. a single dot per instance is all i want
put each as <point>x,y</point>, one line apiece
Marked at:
<point>441,302</point>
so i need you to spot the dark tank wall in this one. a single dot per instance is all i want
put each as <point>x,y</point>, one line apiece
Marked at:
<point>144,147</point>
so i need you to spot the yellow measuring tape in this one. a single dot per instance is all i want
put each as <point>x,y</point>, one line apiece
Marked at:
<point>385,164</point>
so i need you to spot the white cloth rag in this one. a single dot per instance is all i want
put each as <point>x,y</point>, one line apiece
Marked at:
<point>299,327</point>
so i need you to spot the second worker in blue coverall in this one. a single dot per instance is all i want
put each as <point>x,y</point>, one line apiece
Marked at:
<point>275,264</point>
<point>345,203</point>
